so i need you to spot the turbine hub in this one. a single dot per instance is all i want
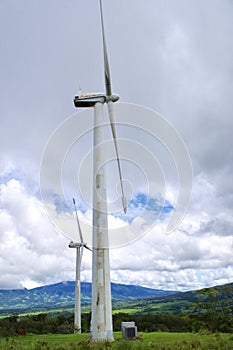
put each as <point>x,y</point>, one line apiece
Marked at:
<point>112,98</point>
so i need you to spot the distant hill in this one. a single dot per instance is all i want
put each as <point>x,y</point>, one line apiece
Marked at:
<point>174,303</point>
<point>62,294</point>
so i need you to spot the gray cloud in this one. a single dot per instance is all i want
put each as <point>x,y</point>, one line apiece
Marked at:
<point>172,56</point>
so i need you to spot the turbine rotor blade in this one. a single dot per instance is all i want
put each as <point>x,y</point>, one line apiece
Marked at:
<point>85,246</point>
<point>106,63</point>
<point>81,253</point>
<point>113,128</point>
<point>78,223</point>
<point>110,104</point>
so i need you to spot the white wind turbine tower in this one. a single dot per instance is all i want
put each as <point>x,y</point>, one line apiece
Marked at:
<point>101,320</point>
<point>79,253</point>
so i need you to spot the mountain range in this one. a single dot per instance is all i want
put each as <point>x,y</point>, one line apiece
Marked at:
<point>62,294</point>
<point>59,298</point>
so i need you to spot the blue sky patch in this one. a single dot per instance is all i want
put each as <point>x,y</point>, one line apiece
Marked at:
<point>141,203</point>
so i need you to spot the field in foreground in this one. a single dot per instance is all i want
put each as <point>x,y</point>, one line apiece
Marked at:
<point>159,341</point>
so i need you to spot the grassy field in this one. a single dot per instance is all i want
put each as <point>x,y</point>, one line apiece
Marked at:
<point>159,341</point>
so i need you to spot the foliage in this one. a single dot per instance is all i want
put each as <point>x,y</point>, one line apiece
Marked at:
<point>214,306</point>
<point>45,324</point>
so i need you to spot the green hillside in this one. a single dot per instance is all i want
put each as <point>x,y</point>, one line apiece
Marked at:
<point>59,298</point>
<point>177,303</point>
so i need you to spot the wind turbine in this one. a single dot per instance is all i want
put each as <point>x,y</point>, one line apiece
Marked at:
<point>101,320</point>
<point>79,253</point>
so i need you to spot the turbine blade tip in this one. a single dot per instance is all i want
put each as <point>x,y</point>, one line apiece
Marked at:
<point>124,204</point>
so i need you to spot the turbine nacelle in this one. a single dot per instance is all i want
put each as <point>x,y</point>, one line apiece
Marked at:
<point>73,244</point>
<point>86,100</point>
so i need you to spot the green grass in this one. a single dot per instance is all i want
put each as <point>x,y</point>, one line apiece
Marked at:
<point>126,311</point>
<point>157,341</point>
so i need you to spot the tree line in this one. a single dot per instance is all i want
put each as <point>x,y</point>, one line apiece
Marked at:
<point>44,323</point>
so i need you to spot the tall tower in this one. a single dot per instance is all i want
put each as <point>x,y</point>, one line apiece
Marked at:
<point>101,319</point>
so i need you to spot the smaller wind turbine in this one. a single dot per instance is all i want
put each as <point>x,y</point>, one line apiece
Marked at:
<point>79,253</point>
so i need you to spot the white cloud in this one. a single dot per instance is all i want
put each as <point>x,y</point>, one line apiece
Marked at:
<point>30,248</point>
<point>33,253</point>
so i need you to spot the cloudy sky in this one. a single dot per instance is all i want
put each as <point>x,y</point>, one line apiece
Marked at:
<point>172,56</point>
